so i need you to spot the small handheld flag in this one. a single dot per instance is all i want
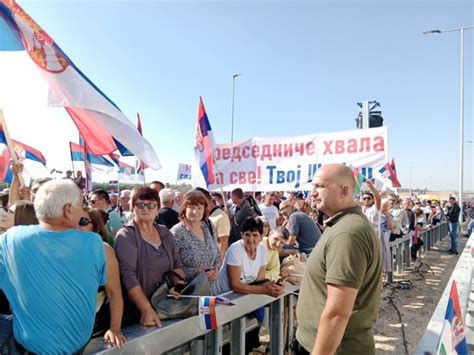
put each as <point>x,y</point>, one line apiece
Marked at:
<point>207,312</point>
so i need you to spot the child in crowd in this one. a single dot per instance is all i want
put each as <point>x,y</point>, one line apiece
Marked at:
<point>274,243</point>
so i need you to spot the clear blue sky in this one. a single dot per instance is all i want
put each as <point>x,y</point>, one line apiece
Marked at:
<point>304,67</point>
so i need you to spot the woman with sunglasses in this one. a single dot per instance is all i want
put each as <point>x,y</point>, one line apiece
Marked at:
<point>146,251</point>
<point>108,318</point>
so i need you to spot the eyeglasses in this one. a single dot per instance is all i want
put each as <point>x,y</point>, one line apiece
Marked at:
<point>366,198</point>
<point>149,205</point>
<point>93,202</point>
<point>84,221</point>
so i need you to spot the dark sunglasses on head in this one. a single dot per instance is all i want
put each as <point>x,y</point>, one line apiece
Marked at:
<point>84,221</point>
<point>142,205</point>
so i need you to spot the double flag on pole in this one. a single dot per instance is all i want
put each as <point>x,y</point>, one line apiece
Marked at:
<point>203,150</point>
<point>23,43</point>
<point>389,171</point>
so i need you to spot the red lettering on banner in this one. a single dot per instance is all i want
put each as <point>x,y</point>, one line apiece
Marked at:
<point>327,147</point>
<point>246,152</point>
<point>310,148</point>
<point>236,154</point>
<point>226,153</point>
<point>234,177</point>
<point>339,147</point>
<point>255,151</point>
<point>352,146</point>
<point>379,144</point>
<point>266,152</point>
<point>277,150</point>
<point>288,150</point>
<point>366,142</point>
<point>299,148</point>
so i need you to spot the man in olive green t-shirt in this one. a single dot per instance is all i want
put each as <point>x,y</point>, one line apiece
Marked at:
<point>340,295</point>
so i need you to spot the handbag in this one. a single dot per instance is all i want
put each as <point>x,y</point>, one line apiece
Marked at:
<point>171,308</point>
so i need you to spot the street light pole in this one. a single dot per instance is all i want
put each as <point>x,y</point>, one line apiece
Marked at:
<point>461,117</point>
<point>233,99</point>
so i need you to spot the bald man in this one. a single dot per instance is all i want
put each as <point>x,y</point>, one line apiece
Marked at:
<point>340,294</point>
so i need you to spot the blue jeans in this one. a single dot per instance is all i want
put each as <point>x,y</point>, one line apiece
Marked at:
<point>470,227</point>
<point>453,233</point>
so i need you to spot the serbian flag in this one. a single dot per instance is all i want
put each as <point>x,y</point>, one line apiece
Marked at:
<point>31,158</point>
<point>77,154</point>
<point>203,149</point>
<point>207,312</point>
<point>393,174</point>
<point>26,48</point>
<point>387,172</point>
<point>453,337</point>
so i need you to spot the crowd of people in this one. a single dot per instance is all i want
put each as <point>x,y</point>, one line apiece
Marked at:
<point>77,264</point>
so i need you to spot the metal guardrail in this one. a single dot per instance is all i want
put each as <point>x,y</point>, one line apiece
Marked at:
<point>462,274</point>
<point>186,335</point>
<point>401,248</point>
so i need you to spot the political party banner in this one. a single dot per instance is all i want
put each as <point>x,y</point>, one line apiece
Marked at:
<point>289,163</point>
<point>184,174</point>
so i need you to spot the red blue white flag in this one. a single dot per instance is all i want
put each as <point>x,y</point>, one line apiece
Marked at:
<point>389,172</point>
<point>97,163</point>
<point>204,148</point>
<point>25,45</point>
<point>207,312</point>
<point>24,153</point>
<point>453,337</point>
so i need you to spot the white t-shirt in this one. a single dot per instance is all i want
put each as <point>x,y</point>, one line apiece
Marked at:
<point>237,256</point>
<point>373,215</point>
<point>270,213</point>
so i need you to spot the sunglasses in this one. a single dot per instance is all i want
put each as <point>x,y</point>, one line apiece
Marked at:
<point>93,202</point>
<point>84,221</point>
<point>367,198</point>
<point>142,205</point>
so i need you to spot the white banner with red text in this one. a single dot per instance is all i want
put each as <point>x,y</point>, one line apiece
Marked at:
<point>289,163</point>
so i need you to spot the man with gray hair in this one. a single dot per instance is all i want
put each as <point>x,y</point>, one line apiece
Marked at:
<point>124,207</point>
<point>167,215</point>
<point>50,274</point>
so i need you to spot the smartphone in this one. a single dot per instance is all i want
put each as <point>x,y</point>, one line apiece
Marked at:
<point>259,282</point>
<point>184,289</point>
<point>281,280</point>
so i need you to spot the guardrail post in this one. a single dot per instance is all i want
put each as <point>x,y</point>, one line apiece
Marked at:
<point>407,252</point>
<point>276,326</point>
<point>197,346</point>
<point>291,320</point>
<point>399,259</point>
<point>430,240</point>
<point>213,341</point>
<point>237,336</point>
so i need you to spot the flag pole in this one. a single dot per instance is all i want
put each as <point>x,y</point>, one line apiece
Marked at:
<point>87,167</point>
<point>13,155</point>
<point>72,162</point>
